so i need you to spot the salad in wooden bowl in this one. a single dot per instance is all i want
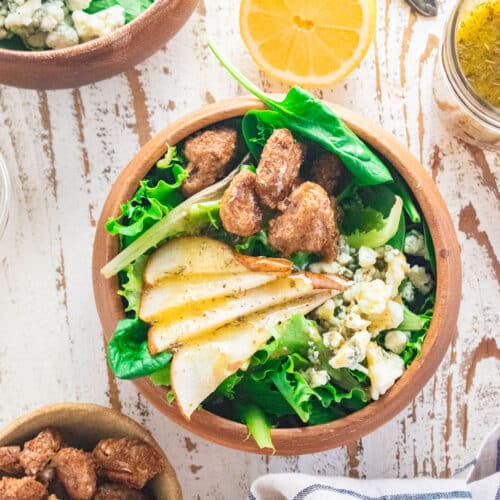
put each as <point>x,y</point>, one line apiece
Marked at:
<point>271,273</point>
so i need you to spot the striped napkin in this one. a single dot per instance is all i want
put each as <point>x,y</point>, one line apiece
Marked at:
<point>479,479</point>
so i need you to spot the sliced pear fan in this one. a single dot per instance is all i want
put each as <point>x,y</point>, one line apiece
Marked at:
<point>196,319</point>
<point>178,291</point>
<point>201,365</point>
<point>202,255</point>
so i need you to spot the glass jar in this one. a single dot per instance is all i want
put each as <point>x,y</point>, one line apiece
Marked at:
<point>5,195</point>
<point>469,117</point>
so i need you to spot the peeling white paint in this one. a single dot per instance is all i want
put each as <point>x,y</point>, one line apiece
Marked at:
<point>51,347</point>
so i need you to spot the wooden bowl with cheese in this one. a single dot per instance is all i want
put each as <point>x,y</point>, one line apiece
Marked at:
<point>98,58</point>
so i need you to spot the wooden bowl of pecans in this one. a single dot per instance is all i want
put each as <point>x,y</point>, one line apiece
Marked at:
<point>84,451</point>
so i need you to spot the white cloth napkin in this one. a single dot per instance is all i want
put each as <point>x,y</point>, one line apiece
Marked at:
<point>479,479</point>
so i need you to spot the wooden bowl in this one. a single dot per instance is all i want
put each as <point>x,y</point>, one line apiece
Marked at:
<point>320,437</point>
<point>99,58</point>
<point>83,425</point>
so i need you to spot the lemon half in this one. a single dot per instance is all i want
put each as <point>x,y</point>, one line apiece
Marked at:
<point>313,43</point>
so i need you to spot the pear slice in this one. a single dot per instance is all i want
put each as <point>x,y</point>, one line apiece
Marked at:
<point>201,365</point>
<point>200,317</point>
<point>202,255</point>
<point>178,291</point>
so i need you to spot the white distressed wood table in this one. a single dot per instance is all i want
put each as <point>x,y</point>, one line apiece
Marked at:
<point>65,148</point>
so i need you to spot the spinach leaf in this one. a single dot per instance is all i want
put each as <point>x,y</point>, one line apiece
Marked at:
<point>429,246</point>
<point>399,187</point>
<point>308,118</point>
<point>257,126</point>
<point>14,43</point>
<point>302,260</point>
<point>128,352</point>
<point>132,8</point>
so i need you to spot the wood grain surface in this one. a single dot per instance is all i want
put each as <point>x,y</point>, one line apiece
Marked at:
<point>65,148</point>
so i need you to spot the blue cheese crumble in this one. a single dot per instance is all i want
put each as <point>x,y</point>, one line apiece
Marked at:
<point>56,24</point>
<point>350,322</point>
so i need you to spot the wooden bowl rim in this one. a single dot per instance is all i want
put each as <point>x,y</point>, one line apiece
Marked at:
<point>92,45</point>
<point>125,425</point>
<point>317,438</point>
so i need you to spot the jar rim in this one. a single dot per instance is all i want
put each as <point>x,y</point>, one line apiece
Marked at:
<point>5,195</point>
<point>488,114</point>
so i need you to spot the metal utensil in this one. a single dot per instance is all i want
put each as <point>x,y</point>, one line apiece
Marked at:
<point>427,8</point>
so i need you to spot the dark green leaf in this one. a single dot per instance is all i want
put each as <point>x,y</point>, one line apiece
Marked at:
<point>429,245</point>
<point>257,127</point>
<point>400,188</point>
<point>257,245</point>
<point>263,392</point>
<point>309,118</point>
<point>227,387</point>
<point>302,260</point>
<point>128,352</point>
<point>14,43</point>
<point>322,415</point>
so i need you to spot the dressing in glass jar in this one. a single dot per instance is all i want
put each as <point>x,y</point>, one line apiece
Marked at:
<point>467,74</point>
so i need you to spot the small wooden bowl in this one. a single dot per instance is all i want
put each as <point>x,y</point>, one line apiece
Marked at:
<point>320,437</point>
<point>83,425</point>
<point>100,58</point>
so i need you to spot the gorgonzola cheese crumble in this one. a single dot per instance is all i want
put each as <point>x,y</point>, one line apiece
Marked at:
<point>373,303</point>
<point>56,24</point>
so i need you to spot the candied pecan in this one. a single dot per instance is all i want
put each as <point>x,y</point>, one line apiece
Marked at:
<point>278,167</point>
<point>127,461</point>
<point>327,170</point>
<point>307,224</point>
<point>114,491</point>
<point>38,451</point>
<point>9,460</point>
<point>208,153</point>
<point>26,488</point>
<point>75,469</point>
<point>240,211</point>
<point>47,475</point>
